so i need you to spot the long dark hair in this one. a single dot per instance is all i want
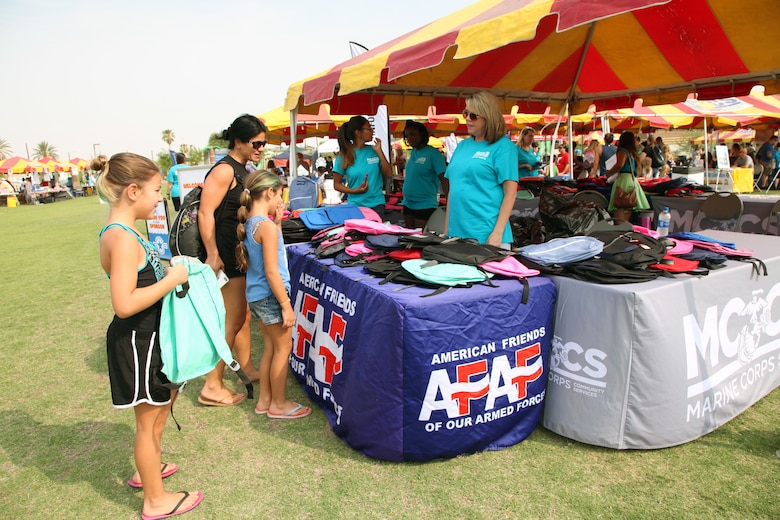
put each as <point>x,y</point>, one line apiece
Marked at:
<point>347,139</point>
<point>627,142</point>
<point>244,128</point>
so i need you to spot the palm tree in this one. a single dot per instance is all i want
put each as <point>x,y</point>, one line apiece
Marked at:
<point>44,149</point>
<point>5,149</point>
<point>168,136</point>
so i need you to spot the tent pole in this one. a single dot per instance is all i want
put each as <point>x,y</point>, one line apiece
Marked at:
<point>706,147</point>
<point>292,161</point>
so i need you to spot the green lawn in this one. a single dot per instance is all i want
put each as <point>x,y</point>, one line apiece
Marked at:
<point>66,453</point>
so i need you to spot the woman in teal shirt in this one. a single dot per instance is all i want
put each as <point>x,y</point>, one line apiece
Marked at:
<point>358,169</point>
<point>483,176</point>
<point>424,170</point>
<point>527,160</point>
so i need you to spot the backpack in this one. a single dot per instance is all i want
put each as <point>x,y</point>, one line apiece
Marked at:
<point>562,251</point>
<point>631,249</point>
<point>601,270</point>
<point>304,193</point>
<point>329,216</point>
<point>391,271</point>
<point>446,273</point>
<point>677,265</point>
<point>295,231</point>
<point>192,327</point>
<point>463,251</point>
<point>184,238</point>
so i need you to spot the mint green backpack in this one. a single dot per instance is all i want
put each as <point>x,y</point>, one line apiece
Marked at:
<point>192,327</point>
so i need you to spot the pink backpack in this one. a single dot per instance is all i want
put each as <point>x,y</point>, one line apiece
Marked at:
<point>369,227</point>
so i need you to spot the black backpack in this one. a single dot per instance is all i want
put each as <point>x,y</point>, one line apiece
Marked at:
<point>185,235</point>
<point>603,271</point>
<point>295,231</point>
<point>464,251</point>
<point>630,249</point>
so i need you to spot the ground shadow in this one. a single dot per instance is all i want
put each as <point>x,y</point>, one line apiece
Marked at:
<point>97,453</point>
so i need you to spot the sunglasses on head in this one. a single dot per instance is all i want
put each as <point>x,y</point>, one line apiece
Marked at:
<point>470,115</point>
<point>258,144</point>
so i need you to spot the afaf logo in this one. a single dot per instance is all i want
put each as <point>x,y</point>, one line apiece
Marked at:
<point>325,347</point>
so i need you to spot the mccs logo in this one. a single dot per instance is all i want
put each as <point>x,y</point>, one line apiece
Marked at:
<point>477,380</point>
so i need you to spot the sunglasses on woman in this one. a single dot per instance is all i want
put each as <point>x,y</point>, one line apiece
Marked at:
<point>470,115</point>
<point>258,144</point>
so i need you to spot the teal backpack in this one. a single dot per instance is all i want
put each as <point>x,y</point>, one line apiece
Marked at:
<point>192,327</point>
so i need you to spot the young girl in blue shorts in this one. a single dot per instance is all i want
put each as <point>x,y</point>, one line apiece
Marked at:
<point>138,281</point>
<point>261,254</point>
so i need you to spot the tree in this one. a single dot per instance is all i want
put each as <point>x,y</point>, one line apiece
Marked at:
<point>44,149</point>
<point>5,149</point>
<point>164,161</point>
<point>168,136</point>
<point>216,141</point>
<point>194,155</point>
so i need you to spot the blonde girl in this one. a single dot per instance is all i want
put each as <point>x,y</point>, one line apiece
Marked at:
<point>131,184</point>
<point>260,253</point>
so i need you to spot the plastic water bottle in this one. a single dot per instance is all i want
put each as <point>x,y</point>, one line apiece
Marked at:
<point>663,222</point>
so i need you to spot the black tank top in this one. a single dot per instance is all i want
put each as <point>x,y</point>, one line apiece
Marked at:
<point>226,218</point>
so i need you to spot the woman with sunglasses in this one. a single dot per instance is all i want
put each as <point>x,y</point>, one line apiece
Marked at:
<point>483,176</point>
<point>527,160</point>
<point>358,169</point>
<point>217,223</point>
<point>424,171</point>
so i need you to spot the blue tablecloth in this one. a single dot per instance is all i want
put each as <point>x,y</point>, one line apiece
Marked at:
<point>406,378</point>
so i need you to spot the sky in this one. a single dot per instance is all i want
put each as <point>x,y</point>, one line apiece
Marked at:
<point>100,77</point>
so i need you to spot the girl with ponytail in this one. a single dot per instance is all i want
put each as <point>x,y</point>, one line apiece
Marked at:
<point>358,169</point>
<point>261,254</point>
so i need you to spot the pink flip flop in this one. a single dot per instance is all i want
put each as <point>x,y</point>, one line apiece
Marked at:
<point>290,414</point>
<point>166,470</point>
<point>176,511</point>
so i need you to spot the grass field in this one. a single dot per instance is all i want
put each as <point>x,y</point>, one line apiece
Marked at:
<point>66,453</point>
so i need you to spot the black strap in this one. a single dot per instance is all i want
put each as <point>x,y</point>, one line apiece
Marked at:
<point>235,367</point>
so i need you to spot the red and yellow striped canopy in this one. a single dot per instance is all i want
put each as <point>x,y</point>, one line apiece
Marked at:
<point>753,109</point>
<point>539,53</point>
<point>20,165</point>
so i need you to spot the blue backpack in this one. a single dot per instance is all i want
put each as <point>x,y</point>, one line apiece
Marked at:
<point>304,193</point>
<point>562,251</point>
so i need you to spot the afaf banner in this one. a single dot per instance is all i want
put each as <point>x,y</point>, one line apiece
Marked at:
<point>406,378</point>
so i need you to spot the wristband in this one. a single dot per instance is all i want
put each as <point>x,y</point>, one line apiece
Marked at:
<point>285,301</point>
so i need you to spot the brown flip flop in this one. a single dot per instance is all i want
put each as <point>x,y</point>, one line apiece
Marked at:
<point>228,400</point>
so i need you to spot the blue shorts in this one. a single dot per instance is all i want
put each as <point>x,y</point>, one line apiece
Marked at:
<point>268,310</point>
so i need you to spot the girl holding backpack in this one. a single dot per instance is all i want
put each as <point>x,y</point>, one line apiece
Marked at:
<point>131,185</point>
<point>261,254</point>
<point>627,195</point>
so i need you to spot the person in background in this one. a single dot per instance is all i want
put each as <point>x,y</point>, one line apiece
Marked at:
<point>217,222</point>
<point>132,187</point>
<point>424,171</point>
<point>563,160</point>
<point>303,164</point>
<point>657,155</point>
<point>173,180</point>
<point>482,176</point>
<point>400,160</point>
<point>625,166</point>
<point>527,159</point>
<point>743,158</point>
<point>358,169</point>
<point>590,159</point>
<point>766,158</point>
<point>777,166</point>
<point>261,254</point>
<point>607,151</point>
